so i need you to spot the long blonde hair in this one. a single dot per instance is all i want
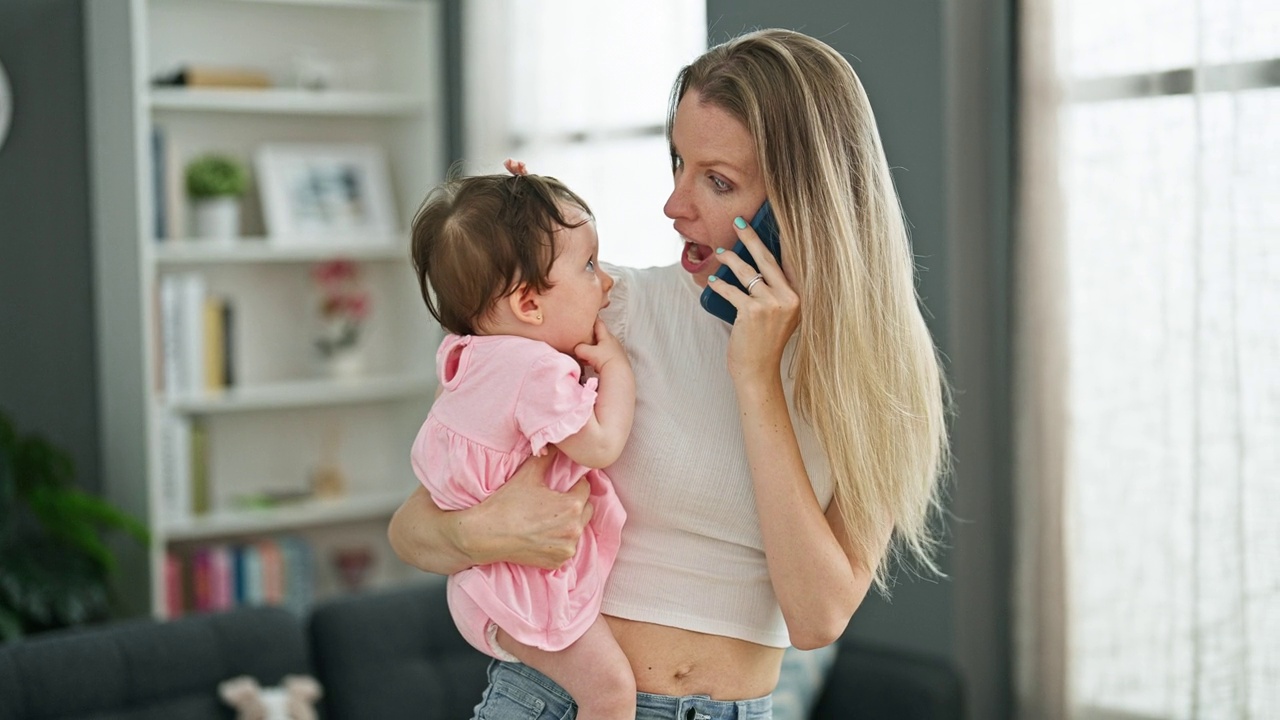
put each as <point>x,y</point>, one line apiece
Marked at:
<point>867,374</point>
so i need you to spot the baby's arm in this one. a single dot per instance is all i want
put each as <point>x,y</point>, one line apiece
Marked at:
<point>600,441</point>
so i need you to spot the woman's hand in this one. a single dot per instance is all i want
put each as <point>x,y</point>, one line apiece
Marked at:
<point>767,316</point>
<point>527,523</point>
<point>523,522</point>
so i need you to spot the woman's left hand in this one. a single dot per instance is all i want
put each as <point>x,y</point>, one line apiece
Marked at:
<point>767,316</point>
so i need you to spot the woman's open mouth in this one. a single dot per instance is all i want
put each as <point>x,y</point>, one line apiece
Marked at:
<point>695,256</point>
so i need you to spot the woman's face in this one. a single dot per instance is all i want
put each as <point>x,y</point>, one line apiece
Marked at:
<point>717,178</point>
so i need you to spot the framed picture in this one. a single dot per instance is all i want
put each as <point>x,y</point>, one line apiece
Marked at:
<point>322,191</point>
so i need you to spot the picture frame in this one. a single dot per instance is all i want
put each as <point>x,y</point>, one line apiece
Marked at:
<point>326,191</point>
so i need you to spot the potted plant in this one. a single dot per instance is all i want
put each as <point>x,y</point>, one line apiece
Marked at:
<point>215,183</point>
<point>55,566</point>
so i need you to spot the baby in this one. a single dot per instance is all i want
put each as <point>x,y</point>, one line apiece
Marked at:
<point>507,264</point>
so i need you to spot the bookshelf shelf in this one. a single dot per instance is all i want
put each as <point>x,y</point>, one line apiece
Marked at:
<point>295,516</point>
<point>303,394</point>
<point>287,101</point>
<point>253,250</point>
<point>393,5</point>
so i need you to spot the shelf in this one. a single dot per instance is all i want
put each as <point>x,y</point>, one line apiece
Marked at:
<point>304,393</point>
<point>348,4</point>
<point>287,101</point>
<point>304,514</point>
<point>257,250</point>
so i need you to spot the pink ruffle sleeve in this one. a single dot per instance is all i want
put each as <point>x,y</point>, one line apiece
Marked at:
<point>553,402</point>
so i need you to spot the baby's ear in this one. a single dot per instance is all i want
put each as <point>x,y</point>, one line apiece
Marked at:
<point>526,305</point>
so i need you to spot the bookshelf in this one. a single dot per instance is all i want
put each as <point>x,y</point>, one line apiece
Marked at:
<point>212,464</point>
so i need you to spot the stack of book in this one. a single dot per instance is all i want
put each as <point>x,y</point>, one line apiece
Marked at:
<point>221,576</point>
<point>196,334</point>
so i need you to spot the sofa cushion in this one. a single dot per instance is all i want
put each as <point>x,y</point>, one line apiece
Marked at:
<point>146,670</point>
<point>395,654</point>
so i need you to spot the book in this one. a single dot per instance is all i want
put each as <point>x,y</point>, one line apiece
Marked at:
<point>175,467</point>
<point>214,76</point>
<point>298,563</point>
<point>199,475</point>
<point>214,336</point>
<point>272,572</point>
<point>174,600</point>
<point>159,201</point>
<point>228,344</point>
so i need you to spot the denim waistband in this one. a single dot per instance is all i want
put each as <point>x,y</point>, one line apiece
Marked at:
<point>513,682</point>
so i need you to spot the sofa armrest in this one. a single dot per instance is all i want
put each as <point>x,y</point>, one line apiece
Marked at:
<point>872,683</point>
<point>395,654</point>
<point>147,669</point>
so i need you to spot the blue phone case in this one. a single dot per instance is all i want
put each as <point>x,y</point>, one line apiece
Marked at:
<point>766,226</point>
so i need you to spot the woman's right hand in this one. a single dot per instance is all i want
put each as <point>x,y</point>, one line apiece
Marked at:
<point>523,522</point>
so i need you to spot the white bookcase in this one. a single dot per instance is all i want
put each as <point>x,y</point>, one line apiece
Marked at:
<point>281,419</point>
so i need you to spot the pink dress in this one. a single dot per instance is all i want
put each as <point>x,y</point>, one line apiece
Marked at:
<point>506,398</point>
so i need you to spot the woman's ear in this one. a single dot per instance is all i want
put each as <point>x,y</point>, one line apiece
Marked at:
<point>526,305</point>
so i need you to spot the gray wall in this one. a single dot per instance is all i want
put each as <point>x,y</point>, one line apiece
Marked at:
<point>47,368</point>
<point>937,73</point>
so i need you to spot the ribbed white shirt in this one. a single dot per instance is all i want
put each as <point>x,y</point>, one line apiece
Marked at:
<point>692,556</point>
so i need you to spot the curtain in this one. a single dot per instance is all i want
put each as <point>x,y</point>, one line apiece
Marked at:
<point>1040,377</point>
<point>1148,359</point>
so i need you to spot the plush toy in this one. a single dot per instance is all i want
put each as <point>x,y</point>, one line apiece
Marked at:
<point>293,699</point>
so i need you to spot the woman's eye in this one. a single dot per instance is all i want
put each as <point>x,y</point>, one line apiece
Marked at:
<point>721,185</point>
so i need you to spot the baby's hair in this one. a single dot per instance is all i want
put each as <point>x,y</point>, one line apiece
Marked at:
<point>478,239</point>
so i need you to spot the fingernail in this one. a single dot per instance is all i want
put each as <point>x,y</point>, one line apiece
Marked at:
<point>712,279</point>
<point>719,251</point>
<point>742,224</point>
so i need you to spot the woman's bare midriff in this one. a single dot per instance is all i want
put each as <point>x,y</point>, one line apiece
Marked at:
<point>671,661</point>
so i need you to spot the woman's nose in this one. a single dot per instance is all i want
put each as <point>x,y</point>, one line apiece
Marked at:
<point>677,205</point>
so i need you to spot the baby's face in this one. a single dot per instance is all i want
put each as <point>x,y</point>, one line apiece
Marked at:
<point>580,289</point>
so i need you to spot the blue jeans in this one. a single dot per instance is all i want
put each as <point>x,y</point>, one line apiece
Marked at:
<point>518,692</point>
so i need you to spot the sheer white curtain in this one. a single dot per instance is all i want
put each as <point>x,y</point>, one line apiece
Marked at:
<point>578,89</point>
<point>1168,449</point>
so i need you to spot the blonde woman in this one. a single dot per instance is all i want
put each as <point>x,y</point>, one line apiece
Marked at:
<point>774,464</point>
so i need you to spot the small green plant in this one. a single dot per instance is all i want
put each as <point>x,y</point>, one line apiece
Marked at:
<point>55,566</point>
<point>216,175</point>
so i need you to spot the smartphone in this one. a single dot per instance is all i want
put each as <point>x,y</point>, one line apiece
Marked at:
<point>766,226</point>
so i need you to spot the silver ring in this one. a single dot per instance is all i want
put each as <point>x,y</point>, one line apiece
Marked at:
<point>754,280</point>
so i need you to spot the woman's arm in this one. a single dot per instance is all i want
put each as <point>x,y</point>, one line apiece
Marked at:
<point>817,582</point>
<point>523,522</point>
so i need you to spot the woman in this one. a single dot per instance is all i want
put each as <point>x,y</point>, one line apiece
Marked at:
<point>761,500</point>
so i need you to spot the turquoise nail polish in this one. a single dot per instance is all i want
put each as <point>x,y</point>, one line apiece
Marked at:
<point>712,279</point>
<point>719,251</point>
<point>742,224</point>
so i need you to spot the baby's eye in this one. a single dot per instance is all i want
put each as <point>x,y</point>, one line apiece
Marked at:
<point>591,265</point>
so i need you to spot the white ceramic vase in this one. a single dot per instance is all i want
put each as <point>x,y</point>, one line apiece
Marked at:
<point>217,217</point>
<point>344,363</point>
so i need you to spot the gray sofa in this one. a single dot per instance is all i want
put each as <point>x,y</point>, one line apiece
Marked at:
<point>385,655</point>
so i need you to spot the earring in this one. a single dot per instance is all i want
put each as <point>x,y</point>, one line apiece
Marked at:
<point>539,317</point>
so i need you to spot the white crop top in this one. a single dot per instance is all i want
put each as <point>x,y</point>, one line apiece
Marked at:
<point>692,556</point>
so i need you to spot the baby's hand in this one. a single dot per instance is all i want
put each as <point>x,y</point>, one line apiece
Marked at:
<point>604,350</point>
<point>515,167</point>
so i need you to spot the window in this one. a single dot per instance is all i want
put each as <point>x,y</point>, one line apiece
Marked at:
<point>578,89</point>
<point>1171,173</point>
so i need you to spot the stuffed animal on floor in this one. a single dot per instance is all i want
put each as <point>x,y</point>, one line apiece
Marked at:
<point>294,699</point>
